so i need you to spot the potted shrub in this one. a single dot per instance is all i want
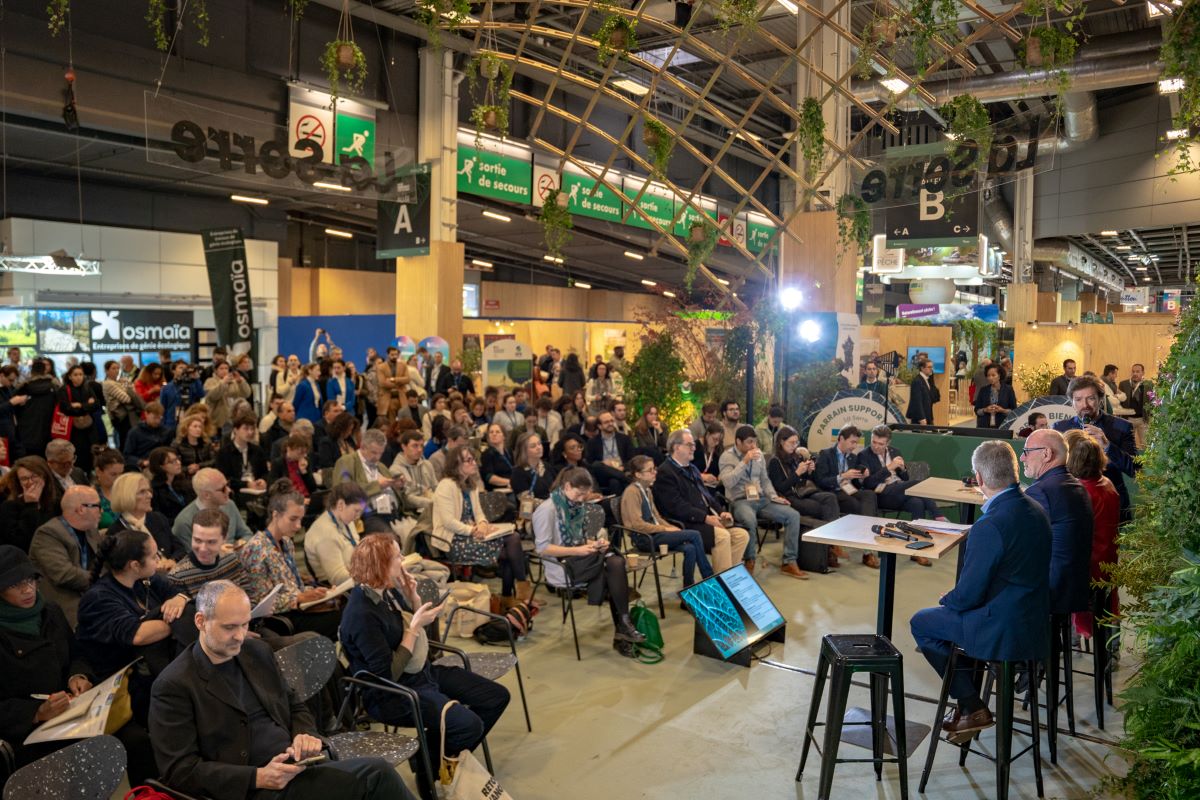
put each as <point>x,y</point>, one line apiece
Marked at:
<point>556,225</point>
<point>617,36</point>
<point>491,108</point>
<point>659,141</point>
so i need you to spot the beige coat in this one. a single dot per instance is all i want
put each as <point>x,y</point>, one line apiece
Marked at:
<point>388,383</point>
<point>447,513</point>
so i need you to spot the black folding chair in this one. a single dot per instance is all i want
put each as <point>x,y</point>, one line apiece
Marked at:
<point>644,544</point>
<point>90,769</point>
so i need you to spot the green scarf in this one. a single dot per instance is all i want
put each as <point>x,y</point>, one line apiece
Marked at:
<point>570,518</point>
<point>23,621</point>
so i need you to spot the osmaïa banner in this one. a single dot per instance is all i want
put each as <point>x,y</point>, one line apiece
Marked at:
<point>229,279</point>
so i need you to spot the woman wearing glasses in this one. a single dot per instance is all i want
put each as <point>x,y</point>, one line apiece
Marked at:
<point>132,501</point>
<point>461,529</point>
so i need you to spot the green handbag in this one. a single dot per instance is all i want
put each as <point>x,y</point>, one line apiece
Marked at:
<point>651,650</point>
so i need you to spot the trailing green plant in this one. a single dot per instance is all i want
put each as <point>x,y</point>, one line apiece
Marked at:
<point>556,225</point>
<point>968,119</point>
<point>486,116</point>
<point>1158,575</point>
<point>1049,48</point>
<point>57,12</point>
<point>854,224</point>
<point>1180,55</point>
<point>810,134</point>
<point>740,14</point>
<point>298,7</point>
<point>617,36</point>
<point>490,111</point>
<point>656,377</point>
<point>702,240</point>
<point>156,16</point>
<point>660,141</point>
<point>923,28</point>
<point>439,15</point>
<point>353,76</point>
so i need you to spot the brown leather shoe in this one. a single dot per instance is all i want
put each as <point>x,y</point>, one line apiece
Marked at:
<point>794,571</point>
<point>832,561</point>
<point>959,728</point>
<point>749,565</point>
<point>922,560</point>
<point>838,552</point>
<point>871,560</point>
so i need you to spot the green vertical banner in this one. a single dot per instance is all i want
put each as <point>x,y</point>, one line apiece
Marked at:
<point>229,281</point>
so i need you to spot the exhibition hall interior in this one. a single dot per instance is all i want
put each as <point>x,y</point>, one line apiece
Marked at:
<point>455,400</point>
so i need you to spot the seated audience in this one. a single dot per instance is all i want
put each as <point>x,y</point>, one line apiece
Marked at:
<point>994,400</point>
<point>768,428</point>
<point>999,606</point>
<point>149,383</point>
<point>240,459</point>
<point>838,472</point>
<point>378,637</point>
<point>602,390</point>
<point>438,407</point>
<point>507,416</point>
<point>872,381</point>
<point>497,461</point>
<point>461,530</point>
<point>640,514</point>
<point>110,465</point>
<point>456,436</point>
<point>1086,461</point>
<point>749,490</point>
<point>549,420</point>
<point>364,467</point>
<point>131,502</point>
<point>791,471</point>
<point>417,474</point>
<point>239,745</point>
<point>649,435</point>
<point>607,454</point>
<point>270,559</point>
<point>293,466</point>
<point>887,476</point>
<point>194,448</point>
<point>1036,421</point>
<point>147,435</point>
<point>332,537</point>
<point>531,473</point>
<point>561,541</point>
<point>64,549</point>
<point>683,497</point>
<point>208,558</point>
<point>707,458</point>
<point>31,499</point>
<point>43,670</point>
<point>342,439</point>
<point>171,490</point>
<point>212,491</point>
<point>573,409</point>
<point>708,416</point>
<point>62,458</point>
<point>280,427</point>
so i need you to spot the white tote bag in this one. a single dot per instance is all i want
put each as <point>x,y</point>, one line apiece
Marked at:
<point>472,781</point>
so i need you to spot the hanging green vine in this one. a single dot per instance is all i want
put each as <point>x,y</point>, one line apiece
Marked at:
<point>490,111</point>
<point>439,15</point>
<point>556,225</point>
<point>659,140</point>
<point>617,36</point>
<point>740,14</point>
<point>1181,59</point>
<point>339,69</point>
<point>57,11</point>
<point>156,16</point>
<point>854,224</point>
<point>968,119</point>
<point>1049,48</point>
<point>811,136</point>
<point>924,26</point>
<point>298,7</point>
<point>702,240</point>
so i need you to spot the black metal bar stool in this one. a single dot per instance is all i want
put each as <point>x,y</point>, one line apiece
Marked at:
<point>1004,724</point>
<point>848,654</point>
<point>1060,658</point>
<point>1100,647</point>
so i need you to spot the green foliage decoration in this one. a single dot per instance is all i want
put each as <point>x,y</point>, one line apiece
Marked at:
<point>353,77</point>
<point>968,120</point>
<point>700,248</point>
<point>617,37</point>
<point>497,75</point>
<point>740,14</point>
<point>1159,578</point>
<point>811,136</point>
<point>656,376</point>
<point>439,15</point>
<point>56,13</point>
<point>156,16</point>
<point>854,224</point>
<point>660,141</point>
<point>1035,379</point>
<point>978,336</point>
<point>556,225</point>
<point>1180,55</point>
<point>1049,48</point>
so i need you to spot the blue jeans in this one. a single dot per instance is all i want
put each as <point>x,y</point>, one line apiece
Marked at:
<point>746,513</point>
<point>937,630</point>
<point>691,545</point>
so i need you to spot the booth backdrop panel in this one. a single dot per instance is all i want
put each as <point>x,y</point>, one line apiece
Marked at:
<point>1093,346</point>
<point>902,337</point>
<point>335,291</point>
<point>587,339</point>
<point>354,333</point>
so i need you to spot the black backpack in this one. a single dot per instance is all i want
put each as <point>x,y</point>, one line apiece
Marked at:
<point>495,631</point>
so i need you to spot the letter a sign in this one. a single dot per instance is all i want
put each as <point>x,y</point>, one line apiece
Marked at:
<point>402,228</point>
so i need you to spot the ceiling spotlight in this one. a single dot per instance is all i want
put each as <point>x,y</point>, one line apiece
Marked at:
<point>634,256</point>
<point>1142,269</point>
<point>1124,247</point>
<point>1033,325</point>
<point>1146,279</point>
<point>672,294</point>
<point>339,233</point>
<point>894,85</point>
<point>1109,233</point>
<point>580,285</point>
<point>336,187</point>
<point>1071,325</point>
<point>1177,134</point>
<point>810,330</point>
<point>1170,85</point>
<point>497,217</point>
<point>479,262</point>
<point>245,198</point>
<point>648,283</point>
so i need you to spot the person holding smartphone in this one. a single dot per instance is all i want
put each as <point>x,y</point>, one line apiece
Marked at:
<point>379,635</point>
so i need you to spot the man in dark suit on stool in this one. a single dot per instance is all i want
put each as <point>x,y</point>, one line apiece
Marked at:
<point>223,723</point>
<point>997,610</point>
<point>1066,502</point>
<point>1113,434</point>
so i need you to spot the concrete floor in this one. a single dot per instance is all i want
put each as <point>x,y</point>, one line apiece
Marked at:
<point>693,727</point>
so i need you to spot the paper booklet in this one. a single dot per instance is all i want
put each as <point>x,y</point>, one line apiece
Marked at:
<point>86,716</point>
<point>500,529</point>
<point>266,606</point>
<point>940,527</point>
<point>336,591</point>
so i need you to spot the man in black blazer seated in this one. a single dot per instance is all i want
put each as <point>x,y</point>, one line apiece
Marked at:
<point>455,379</point>
<point>922,395</point>
<point>999,606</point>
<point>1066,502</point>
<point>1113,434</point>
<point>224,725</point>
<point>607,454</point>
<point>838,471</point>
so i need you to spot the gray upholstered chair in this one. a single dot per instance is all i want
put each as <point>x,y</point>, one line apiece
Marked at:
<point>90,769</point>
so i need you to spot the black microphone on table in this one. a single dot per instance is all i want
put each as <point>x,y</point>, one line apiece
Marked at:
<point>890,532</point>
<point>912,530</point>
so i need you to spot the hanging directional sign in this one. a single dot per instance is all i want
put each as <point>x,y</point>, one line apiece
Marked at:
<point>403,227</point>
<point>935,220</point>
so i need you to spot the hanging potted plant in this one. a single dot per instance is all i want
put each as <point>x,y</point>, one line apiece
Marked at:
<point>439,15</point>
<point>490,111</point>
<point>617,36</point>
<point>556,225</point>
<point>1049,48</point>
<point>854,224</point>
<point>968,119</point>
<point>156,16</point>
<point>659,141</point>
<point>1181,59</point>
<point>343,61</point>
<point>702,240</point>
<point>810,135</point>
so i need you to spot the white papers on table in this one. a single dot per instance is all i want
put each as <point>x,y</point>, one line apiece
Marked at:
<point>266,606</point>
<point>336,591</point>
<point>940,527</point>
<point>85,717</point>
<point>500,529</point>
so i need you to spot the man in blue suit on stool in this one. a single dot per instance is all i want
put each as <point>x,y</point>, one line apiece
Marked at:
<point>999,608</point>
<point>1113,434</point>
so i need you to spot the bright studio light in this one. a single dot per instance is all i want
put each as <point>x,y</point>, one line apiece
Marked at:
<point>791,298</point>
<point>810,331</point>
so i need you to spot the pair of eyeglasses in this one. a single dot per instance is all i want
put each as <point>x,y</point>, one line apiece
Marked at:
<point>1032,449</point>
<point>89,505</point>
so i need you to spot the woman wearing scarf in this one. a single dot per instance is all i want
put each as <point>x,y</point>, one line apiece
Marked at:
<point>37,658</point>
<point>558,532</point>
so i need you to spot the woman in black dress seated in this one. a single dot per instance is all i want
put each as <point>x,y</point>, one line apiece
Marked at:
<point>496,465</point>
<point>707,457</point>
<point>171,491</point>
<point>531,473</point>
<point>42,669</point>
<point>377,637</point>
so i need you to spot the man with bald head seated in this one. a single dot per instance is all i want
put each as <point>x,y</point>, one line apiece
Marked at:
<point>212,491</point>
<point>65,548</point>
<point>224,723</point>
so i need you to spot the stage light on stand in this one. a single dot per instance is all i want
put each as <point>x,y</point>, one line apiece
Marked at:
<point>790,298</point>
<point>809,330</point>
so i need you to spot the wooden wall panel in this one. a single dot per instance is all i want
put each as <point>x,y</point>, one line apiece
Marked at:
<point>1021,304</point>
<point>1093,346</point>
<point>902,337</point>
<point>1048,307</point>
<point>826,279</point>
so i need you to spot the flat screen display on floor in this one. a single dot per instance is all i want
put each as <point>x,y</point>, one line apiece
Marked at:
<point>733,609</point>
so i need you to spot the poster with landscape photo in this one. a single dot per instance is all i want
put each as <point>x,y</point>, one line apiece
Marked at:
<point>64,331</point>
<point>18,328</point>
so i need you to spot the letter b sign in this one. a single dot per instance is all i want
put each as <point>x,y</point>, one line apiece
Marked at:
<point>932,206</point>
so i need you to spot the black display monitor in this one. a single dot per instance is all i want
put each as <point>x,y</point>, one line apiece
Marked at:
<point>733,612</point>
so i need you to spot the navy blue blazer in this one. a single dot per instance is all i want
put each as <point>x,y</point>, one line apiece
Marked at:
<point>1066,500</point>
<point>1007,398</point>
<point>1003,591</point>
<point>1120,451</point>
<point>825,475</point>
